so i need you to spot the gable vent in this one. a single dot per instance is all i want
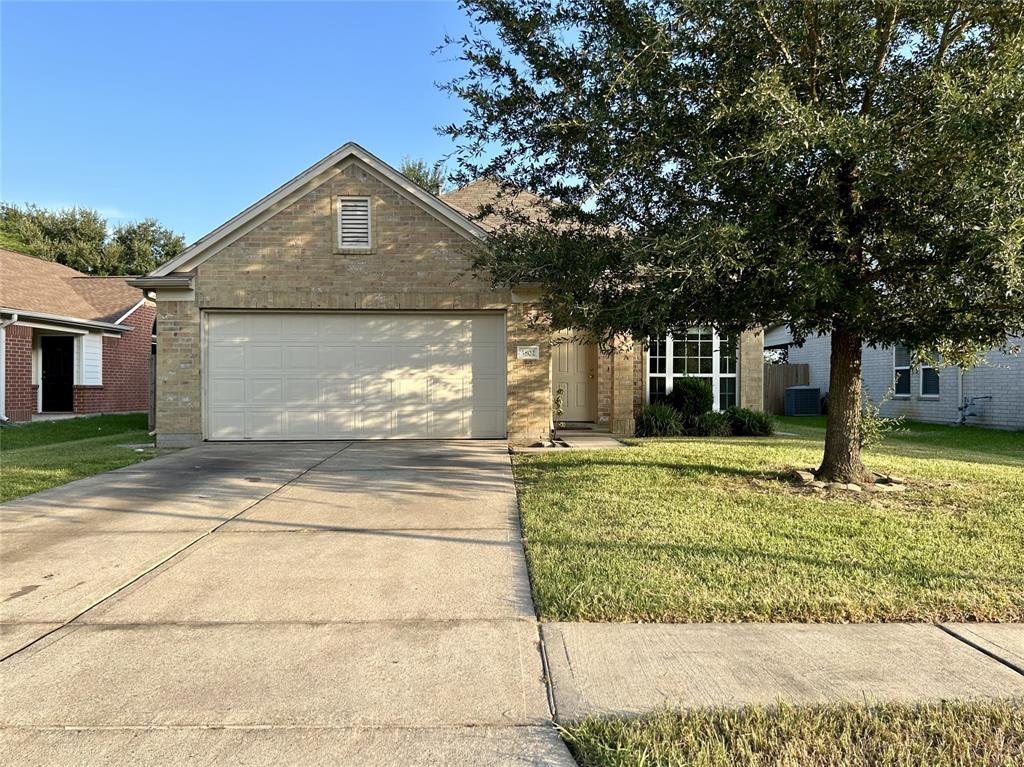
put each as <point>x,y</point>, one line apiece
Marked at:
<point>353,222</point>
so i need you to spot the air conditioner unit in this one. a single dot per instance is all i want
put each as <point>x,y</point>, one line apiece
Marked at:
<point>803,400</point>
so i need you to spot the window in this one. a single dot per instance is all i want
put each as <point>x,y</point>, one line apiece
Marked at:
<point>901,371</point>
<point>699,353</point>
<point>929,381</point>
<point>354,230</point>
<point>656,361</point>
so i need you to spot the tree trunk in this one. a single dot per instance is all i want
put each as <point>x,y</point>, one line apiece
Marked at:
<point>842,462</point>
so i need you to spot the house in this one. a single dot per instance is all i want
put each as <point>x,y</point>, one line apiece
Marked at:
<point>70,343</point>
<point>991,394</point>
<point>344,305</point>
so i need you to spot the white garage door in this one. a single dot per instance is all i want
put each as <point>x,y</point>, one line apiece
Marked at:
<point>358,375</point>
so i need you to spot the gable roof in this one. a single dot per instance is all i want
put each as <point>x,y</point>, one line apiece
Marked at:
<point>30,284</point>
<point>310,178</point>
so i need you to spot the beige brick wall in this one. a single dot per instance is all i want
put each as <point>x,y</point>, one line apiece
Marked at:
<point>751,370</point>
<point>178,400</point>
<point>291,262</point>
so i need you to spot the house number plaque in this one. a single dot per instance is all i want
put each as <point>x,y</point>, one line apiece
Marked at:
<point>528,352</point>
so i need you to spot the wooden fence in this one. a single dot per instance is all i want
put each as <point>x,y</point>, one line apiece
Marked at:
<point>777,378</point>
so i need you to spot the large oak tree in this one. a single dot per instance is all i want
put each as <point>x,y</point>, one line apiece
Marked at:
<point>853,168</point>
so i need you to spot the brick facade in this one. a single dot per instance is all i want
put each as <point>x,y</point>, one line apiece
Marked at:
<point>20,393</point>
<point>125,386</point>
<point>126,364</point>
<point>291,261</point>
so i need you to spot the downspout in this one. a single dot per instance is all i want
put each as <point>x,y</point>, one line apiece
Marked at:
<point>4,324</point>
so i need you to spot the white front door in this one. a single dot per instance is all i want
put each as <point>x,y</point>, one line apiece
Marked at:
<point>574,371</point>
<point>358,375</point>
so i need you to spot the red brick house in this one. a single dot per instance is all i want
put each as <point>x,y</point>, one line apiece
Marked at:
<point>70,343</point>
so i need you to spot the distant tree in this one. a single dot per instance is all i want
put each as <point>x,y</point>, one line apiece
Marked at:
<point>429,177</point>
<point>853,168</point>
<point>81,239</point>
<point>141,246</point>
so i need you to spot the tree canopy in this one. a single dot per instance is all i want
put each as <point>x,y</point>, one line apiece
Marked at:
<point>852,168</point>
<point>429,177</point>
<point>81,238</point>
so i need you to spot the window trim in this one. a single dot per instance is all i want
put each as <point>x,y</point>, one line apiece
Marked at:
<point>339,201</point>
<point>714,378</point>
<point>908,367</point>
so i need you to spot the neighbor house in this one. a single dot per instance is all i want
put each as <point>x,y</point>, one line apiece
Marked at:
<point>344,305</point>
<point>991,394</point>
<point>70,343</point>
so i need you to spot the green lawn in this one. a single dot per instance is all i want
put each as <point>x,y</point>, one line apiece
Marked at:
<point>35,456</point>
<point>938,735</point>
<point>694,530</point>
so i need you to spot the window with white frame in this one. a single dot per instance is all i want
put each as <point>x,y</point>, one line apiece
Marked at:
<point>929,380</point>
<point>697,353</point>
<point>901,371</point>
<point>354,224</point>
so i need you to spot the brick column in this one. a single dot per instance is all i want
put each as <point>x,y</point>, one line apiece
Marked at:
<point>529,381</point>
<point>623,389</point>
<point>751,369</point>
<point>19,391</point>
<point>178,399</point>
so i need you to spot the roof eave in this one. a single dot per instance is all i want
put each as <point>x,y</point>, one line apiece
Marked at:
<point>61,319</point>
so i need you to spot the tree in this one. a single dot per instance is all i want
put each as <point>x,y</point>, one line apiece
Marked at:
<point>849,168</point>
<point>79,238</point>
<point>429,177</point>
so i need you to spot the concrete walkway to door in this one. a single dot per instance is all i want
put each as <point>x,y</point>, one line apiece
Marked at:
<point>305,603</point>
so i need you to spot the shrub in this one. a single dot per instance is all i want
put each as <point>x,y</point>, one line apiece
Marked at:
<point>712,424</point>
<point>750,423</point>
<point>659,420</point>
<point>874,427</point>
<point>691,397</point>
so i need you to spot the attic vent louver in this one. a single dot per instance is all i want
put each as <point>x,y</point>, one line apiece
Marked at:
<point>354,223</point>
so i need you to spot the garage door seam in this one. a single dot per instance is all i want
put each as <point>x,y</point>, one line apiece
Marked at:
<point>171,556</point>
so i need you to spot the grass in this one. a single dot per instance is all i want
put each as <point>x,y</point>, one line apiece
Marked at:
<point>35,456</point>
<point>702,530</point>
<point>938,735</point>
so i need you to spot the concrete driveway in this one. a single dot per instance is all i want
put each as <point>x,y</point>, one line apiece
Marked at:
<point>315,603</point>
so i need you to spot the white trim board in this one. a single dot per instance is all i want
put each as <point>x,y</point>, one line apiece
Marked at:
<point>314,176</point>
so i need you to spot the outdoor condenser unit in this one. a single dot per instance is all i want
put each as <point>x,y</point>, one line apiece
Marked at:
<point>803,400</point>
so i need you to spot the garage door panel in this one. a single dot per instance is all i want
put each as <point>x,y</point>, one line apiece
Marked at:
<point>227,424</point>
<point>231,356</point>
<point>263,391</point>
<point>264,424</point>
<point>484,421</point>
<point>302,423</point>
<point>339,423</point>
<point>302,391</point>
<point>227,391</point>
<point>338,359</point>
<point>338,376</point>
<point>263,356</point>
<point>302,358</point>
<point>336,390</point>
<point>376,391</point>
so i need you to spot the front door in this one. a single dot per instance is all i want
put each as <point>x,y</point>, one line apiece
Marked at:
<point>574,371</point>
<point>58,373</point>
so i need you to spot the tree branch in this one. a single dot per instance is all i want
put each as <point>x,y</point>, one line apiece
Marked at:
<point>880,56</point>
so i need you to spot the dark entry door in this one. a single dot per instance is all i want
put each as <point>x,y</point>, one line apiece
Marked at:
<point>58,373</point>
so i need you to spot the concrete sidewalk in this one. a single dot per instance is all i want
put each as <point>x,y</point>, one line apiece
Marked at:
<point>616,669</point>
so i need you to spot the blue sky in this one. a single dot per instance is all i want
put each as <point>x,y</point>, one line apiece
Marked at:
<point>190,111</point>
